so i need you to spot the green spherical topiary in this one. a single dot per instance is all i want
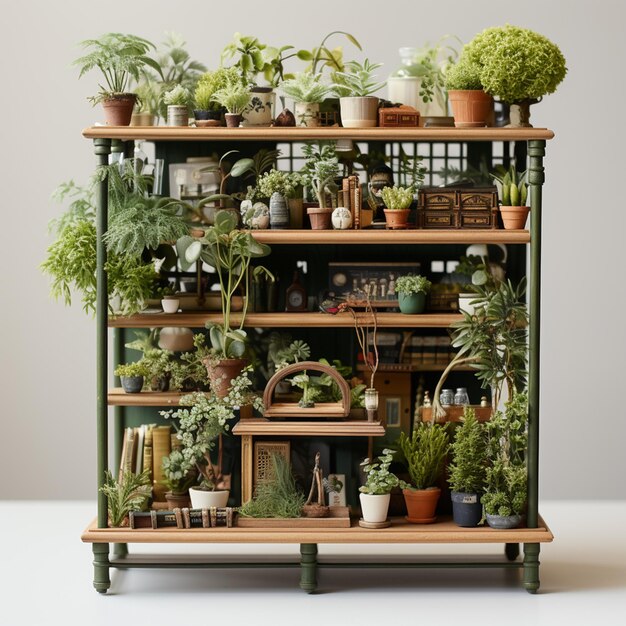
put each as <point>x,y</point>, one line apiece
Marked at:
<point>463,75</point>
<point>516,64</point>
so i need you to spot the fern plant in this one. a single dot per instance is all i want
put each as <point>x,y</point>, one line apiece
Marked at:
<point>130,493</point>
<point>469,455</point>
<point>234,97</point>
<point>425,453</point>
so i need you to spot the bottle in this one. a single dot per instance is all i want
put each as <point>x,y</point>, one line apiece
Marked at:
<point>461,398</point>
<point>446,397</point>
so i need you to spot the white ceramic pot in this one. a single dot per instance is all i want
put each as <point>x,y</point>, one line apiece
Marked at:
<point>465,305</point>
<point>259,110</point>
<point>359,112</point>
<point>341,218</point>
<point>170,305</point>
<point>177,115</point>
<point>307,114</point>
<point>201,499</point>
<point>374,508</point>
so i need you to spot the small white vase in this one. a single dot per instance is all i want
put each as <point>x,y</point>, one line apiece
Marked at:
<point>359,112</point>
<point>201,499</point>
<point>260,108</point>
<point>170,305</point>
<point>307,114</point>
<point>374,508</point>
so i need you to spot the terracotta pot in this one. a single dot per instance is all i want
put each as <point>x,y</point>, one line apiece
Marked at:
<point>471,107</point>
<point>177,500</point>
<point>222,372</point>
<point>397,218</point>
<point>119,110</point>
<point>421,504</point>
<point>320,218</point>
<point>514,217</point>
<point>233,120</point>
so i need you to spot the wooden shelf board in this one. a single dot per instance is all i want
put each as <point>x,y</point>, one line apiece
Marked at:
<point>351,428</point>
<point>174,133</point>
<point>383,237</point>
<point>442,531</point>
<point>400,368</point>
<point>286,320</point>
<point>118,397</point>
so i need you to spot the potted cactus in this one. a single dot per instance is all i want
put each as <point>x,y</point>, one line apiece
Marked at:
<point>397,205</point>
<point>513,195</point>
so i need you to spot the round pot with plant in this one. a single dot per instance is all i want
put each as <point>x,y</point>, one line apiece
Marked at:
<point>425,454</point>
<point>158,363</point>
<point>513,195</point>
<point>518,66</point>
<point>208,112</point>
<point>119,57</point>
<point>177,101</point>
<point>412,292</point>
<point>319,173</point>
<point>471,106</point>
<point>376,492</point>
<point>397,205</point>
<point>178,478</point>
<point>277,185</point>
<point>467,471</point>
<point>307,91</point>
<point>132,376</point>
<point>234,97</point>
<point>354,87</point>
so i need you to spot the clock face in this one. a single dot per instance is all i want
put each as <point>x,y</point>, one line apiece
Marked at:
<point>296,299</point>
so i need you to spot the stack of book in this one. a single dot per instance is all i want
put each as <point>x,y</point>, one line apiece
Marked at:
<point>184,518</point>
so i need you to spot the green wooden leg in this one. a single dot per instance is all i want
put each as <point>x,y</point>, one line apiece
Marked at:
<point>531,567</point>
<point>511,550</point>
<point>101,580</point>
<point>120,550</point>
<point>308,567</point>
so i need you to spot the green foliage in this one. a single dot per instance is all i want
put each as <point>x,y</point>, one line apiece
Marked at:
<point>516,64</point>
<point>234,97</point>
<point>296,351</point>
<point>306,87</point>
<point>157,362</point>
<point>467,471</point>
<point>412,284</point>
<point>131,493</point>
<point>210,83</point>
<point>358,80</point>
<point>511,186</point>
<point>248,52</point>
<point>177,96</point>
<point>119,57</point>
<point>463,75</point>
<point>129,370</point>
<point>278,497</point>
<point>321,169</point>
<point>178,476</point>
<point>397,198</point>
<point>411,168</point>
<point>148,96</point>
<point>80,208</point>
<point>425,453</point>
<point>326,57</point>
<point>189,370</point>
<point>380,480</point>
<point>277,181</point>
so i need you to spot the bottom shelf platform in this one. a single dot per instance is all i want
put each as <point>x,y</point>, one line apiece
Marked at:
<point>442,531</point>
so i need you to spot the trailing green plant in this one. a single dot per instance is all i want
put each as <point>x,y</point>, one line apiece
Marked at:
<point>278,497</point>
<point>397,198</point>
<point>80,209</point>
<point>320,169</point>
<point>210,83</point>
<point>511,186</point>
<point>467,470</point>
<point>119,58</point>
<point>177,96</point>
<point>130,493</point>
<point>306,87</point>
<point>425,453</point>
<point>277,181</point>
<point>230,252</point>
<point>200,421</point>
<point>463,75</point>
<point>379,480</point>
<point>129,370</point>
<point>412,284</point>
<point>177,475</point>
<point>516,64</point>
<point>358,80</point>
<point>234,97</point>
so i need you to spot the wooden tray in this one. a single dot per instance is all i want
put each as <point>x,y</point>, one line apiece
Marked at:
<point>338,517</point>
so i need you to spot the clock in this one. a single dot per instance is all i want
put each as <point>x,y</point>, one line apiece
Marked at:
<point>295,297</point>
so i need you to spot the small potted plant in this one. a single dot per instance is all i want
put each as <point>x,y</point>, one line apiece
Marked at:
<point>177,101</point>
<point>277,186</point>
<point>169,300</point>
<point>130,492</point>
<point>425,453</point>
<point>412,292</point>
<point>471,106</point>
<point>119,57</point>
<point>319,173</point>
<point>208,111</point>
<point>354,87</point>
<point>132,376</point>
<point>376,492</point>
<point>467,471</point>
<point>234,97</point>
<point>397,205</point>
<point>513,195</point>
<point>178,478</point>
<point>307,92</point>
<point>158,363</point>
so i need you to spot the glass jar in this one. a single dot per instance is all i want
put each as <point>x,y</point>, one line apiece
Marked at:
<point>371,399</point>
<point>461,398</point>
<point>446,397</point>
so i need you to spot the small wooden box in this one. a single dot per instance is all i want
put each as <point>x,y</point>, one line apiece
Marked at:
<point>398,117</point>
<point>436,198</point>
<point>472,208</point>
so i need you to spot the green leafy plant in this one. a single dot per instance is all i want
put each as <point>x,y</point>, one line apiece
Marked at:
<point>129,370</point>
<point>178,477</point>
<point>306,87</point>
<point>310,393</point>
<point>464,75</point>
<point>295,352</point>
<point>212,82</point>
<point>325,57</point>
<point>177,96</point>
<point>278,497</point>
<point>248,54</point>
<point>467,471</point>
<point>511,186</point>
<point>397,198</point>
<point>189,371</point>
<point>358,80</point>
<point>379,480</point>
<point>120,58</point>
<point>130,493</point>
<point>412,284</point>
<point>234,97</point>
<point>277,181</point>
<point>148,96</point>
<point>320,170</point>
<point>516,64</point>
<point>158,363</point>
<point>425,453</point>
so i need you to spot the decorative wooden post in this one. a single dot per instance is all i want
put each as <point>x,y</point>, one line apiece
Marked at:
<point>308,567</point>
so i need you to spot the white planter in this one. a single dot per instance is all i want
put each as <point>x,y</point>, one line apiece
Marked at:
<point>177,115</point>
<point>374,508</point>
<point>206,499</point>
<point>359,112</point>
<point>406,89</point>
<point>464,303</point>
<point>259,110</point>
<point>170,305</point>
<point>307,114</point>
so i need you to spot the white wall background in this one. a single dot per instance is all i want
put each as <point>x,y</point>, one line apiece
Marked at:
<point>47,351</point>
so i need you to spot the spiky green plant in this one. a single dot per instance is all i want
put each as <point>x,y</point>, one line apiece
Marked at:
<point>306,87</point>
<point>358,80</point>
<point>177,96</point>
<point>130,493</point>
<point>425,453</point>
<point>397,198</point>
<point>467,471</point>
<point>512,186</point>
<point>234,97</point>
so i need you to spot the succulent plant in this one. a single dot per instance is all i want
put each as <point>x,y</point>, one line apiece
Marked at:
<point>513,187</point>
<point>397,198</point>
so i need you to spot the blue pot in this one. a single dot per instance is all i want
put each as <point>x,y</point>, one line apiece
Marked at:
<point>132,384</point>
<point>412,303</point>
<point>467,511</point>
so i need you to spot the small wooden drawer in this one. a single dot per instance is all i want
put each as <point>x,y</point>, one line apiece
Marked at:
<point>478,219</point>
<point>428,218</point>
<point>437,199</point>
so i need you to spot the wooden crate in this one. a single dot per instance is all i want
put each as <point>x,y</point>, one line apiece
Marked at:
<point>398,117</point>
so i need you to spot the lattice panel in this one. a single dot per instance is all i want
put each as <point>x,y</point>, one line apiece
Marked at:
<point>263,450</point>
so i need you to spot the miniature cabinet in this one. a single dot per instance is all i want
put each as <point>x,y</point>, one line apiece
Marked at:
<point>110,545</point>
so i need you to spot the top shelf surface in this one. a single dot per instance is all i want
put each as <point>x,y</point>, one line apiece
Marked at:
<point>182,133</point>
